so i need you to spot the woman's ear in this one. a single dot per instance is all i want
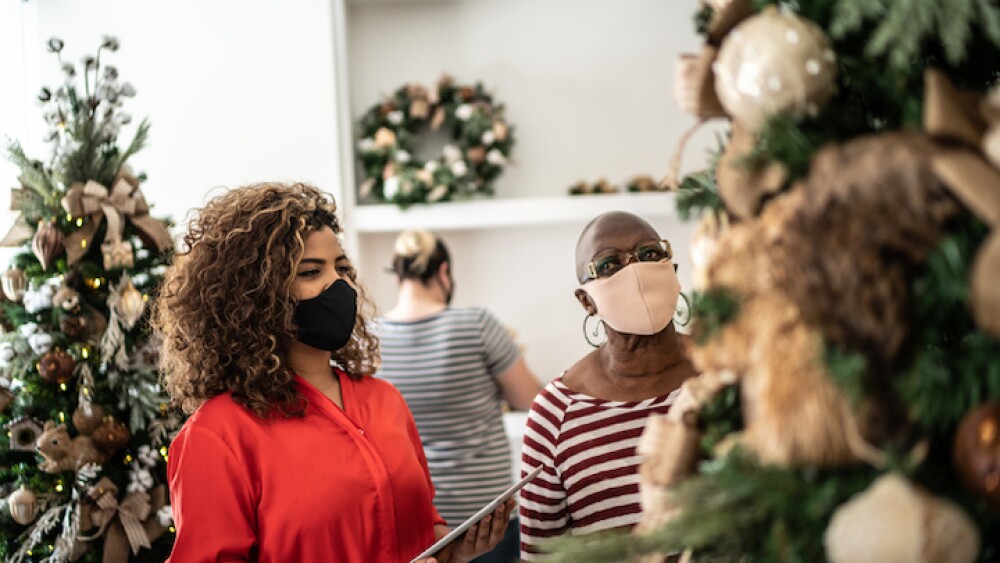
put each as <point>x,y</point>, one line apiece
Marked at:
<point>584,298</point>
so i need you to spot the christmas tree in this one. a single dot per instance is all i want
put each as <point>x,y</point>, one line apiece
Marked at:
<point>83,468</point>
<point>847,319</point>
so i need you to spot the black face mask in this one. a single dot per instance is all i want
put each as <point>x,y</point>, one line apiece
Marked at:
<point>327,320</point>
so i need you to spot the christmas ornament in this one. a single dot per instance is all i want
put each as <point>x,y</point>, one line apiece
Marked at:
<point>23,505</point>
<point>47,244</point>
<point>703,244</point>
<point>88,417</point>
<point>895,522</point>
<point>774,63</point>
<point>130,304</point>
<point>742,187</point>
<point>62,453</point>
<point>977,452</point>
<point>23,433</point>
<point>117,254</point>
<point>66,298</point>
<point>40,342</point>
<point>694,84</point>
<point>56,366</point>
<point>111,435</point>
<point>7,353</point>
<point>14,284</point>
<point>984,287</point>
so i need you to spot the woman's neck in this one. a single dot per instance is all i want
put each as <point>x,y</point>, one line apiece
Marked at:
<point>416,301</point>
<point>311,364</point>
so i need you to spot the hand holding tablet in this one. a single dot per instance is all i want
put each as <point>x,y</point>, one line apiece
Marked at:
<point>482,532</point>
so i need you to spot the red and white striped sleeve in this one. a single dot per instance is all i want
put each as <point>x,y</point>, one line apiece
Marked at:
<point>543,508</point>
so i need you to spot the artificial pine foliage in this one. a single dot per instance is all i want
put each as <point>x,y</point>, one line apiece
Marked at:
<point>905,407</point>
<point>77,348</point>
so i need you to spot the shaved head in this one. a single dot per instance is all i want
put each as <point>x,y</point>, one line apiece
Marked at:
<point>612,230</point>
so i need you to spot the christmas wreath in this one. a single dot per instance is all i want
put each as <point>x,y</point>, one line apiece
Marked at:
<point>479,145</point>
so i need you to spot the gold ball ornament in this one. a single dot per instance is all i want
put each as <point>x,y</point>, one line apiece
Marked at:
<point>111,435</point>
<point>14,284</point>
<point>88,418</point>
<point>774,63</point>
<point>130,304</point>
<point>895,522</point>
<point>56,366</point>
<point>47,244</point>
<point>23,505</point>
<point>977,452</point>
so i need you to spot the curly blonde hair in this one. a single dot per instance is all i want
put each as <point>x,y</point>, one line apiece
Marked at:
<point>225,306</point>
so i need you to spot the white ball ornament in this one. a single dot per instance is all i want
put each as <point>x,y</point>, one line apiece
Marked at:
<point>774,63</point>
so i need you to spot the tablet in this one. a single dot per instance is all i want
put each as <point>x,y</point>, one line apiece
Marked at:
<point>488,509</point>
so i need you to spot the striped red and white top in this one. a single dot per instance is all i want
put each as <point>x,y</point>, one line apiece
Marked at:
<point>590,480</point>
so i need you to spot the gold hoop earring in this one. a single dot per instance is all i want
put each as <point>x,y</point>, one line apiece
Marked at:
<point>598,328</point>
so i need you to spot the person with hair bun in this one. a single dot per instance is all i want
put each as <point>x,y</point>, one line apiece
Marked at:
<point>293,452</point>
<point>455,366</point>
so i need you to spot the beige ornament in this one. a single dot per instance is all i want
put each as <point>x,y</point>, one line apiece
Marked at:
<point>130,304</point>
<point>895,522</point>
<point>47,244</point>
<point>774,63</point>
<point>985,286</point>
<point>694,84</point>
<point>117,254</point>
<point>14,283</point>
<point>703,244</point>
<point>742,187</point>
<point>23,505</point>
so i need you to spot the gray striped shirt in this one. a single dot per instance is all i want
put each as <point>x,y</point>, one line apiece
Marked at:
<point>446,367</point>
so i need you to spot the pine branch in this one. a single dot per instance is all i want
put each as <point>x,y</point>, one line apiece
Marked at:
<point>32,176</point>
<point>907,25</point>
<point>137,144</point>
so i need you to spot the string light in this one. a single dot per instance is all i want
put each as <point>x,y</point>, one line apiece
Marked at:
<point>62,416</point>
<point>85,352</point>
<point>171,528</point>
<point>69,217</point>
<point>59,487</point>
<point>128,459</point>
<point>62,386</point>
<point>163,452</point>
<point>145,297</point>
<point>79,221</point>
<point>83,243</point>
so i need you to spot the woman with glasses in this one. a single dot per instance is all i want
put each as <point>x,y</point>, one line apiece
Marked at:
<point>583,428</point>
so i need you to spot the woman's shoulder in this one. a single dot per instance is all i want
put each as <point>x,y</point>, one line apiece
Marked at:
<point>220,415</point>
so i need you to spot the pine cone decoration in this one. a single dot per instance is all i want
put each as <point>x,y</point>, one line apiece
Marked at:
<point>111,435</point>
<point>73,327</point>
<point>56,366</point>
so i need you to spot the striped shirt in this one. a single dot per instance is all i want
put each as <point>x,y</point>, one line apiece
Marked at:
<point>446,367</point>
<point>590,480</point>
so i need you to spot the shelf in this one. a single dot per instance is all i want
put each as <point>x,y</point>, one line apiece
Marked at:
<point>505,213</point>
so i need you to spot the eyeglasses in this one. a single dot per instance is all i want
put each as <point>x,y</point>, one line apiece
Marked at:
<point>607,263</point>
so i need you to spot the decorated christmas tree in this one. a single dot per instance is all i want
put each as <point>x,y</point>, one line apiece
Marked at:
<point>87,424</point>
<point>847,319</point>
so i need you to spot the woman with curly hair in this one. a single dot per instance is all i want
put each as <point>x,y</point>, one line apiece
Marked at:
<point>292,453</point>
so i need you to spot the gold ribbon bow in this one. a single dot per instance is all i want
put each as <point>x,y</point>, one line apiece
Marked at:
<point>123,200</point>
<point>125,526</point>
<point>968,162</point>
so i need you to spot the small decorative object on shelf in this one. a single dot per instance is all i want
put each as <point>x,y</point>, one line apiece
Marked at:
<point>601,186</point>
<point>643,183</point>
<point>479,146</point>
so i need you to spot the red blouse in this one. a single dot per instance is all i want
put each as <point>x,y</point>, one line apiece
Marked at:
<point>334,485</point>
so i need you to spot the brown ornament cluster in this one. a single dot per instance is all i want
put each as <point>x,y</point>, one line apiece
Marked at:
<point>977,452</point>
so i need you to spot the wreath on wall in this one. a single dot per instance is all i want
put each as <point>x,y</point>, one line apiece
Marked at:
<point>479,145</point>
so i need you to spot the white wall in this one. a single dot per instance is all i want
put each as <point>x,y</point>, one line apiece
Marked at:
<point>588,86</point>
<point>237,91</point>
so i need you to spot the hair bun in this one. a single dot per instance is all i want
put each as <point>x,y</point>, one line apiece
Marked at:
<point>416,247</point>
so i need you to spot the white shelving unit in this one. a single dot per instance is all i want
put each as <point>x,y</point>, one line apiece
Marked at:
<point>507,213</point>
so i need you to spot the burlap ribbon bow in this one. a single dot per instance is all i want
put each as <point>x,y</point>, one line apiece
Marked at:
<point>968,162</point>
<point>125,525</point>
<point>123,201</point>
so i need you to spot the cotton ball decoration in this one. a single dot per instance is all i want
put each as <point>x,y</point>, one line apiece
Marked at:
<point>977,452</point>
<point>40,342</point>
<point>23,505</point>
<point>774,63</point>
<point>895,522</point>
<point>37,299</point>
